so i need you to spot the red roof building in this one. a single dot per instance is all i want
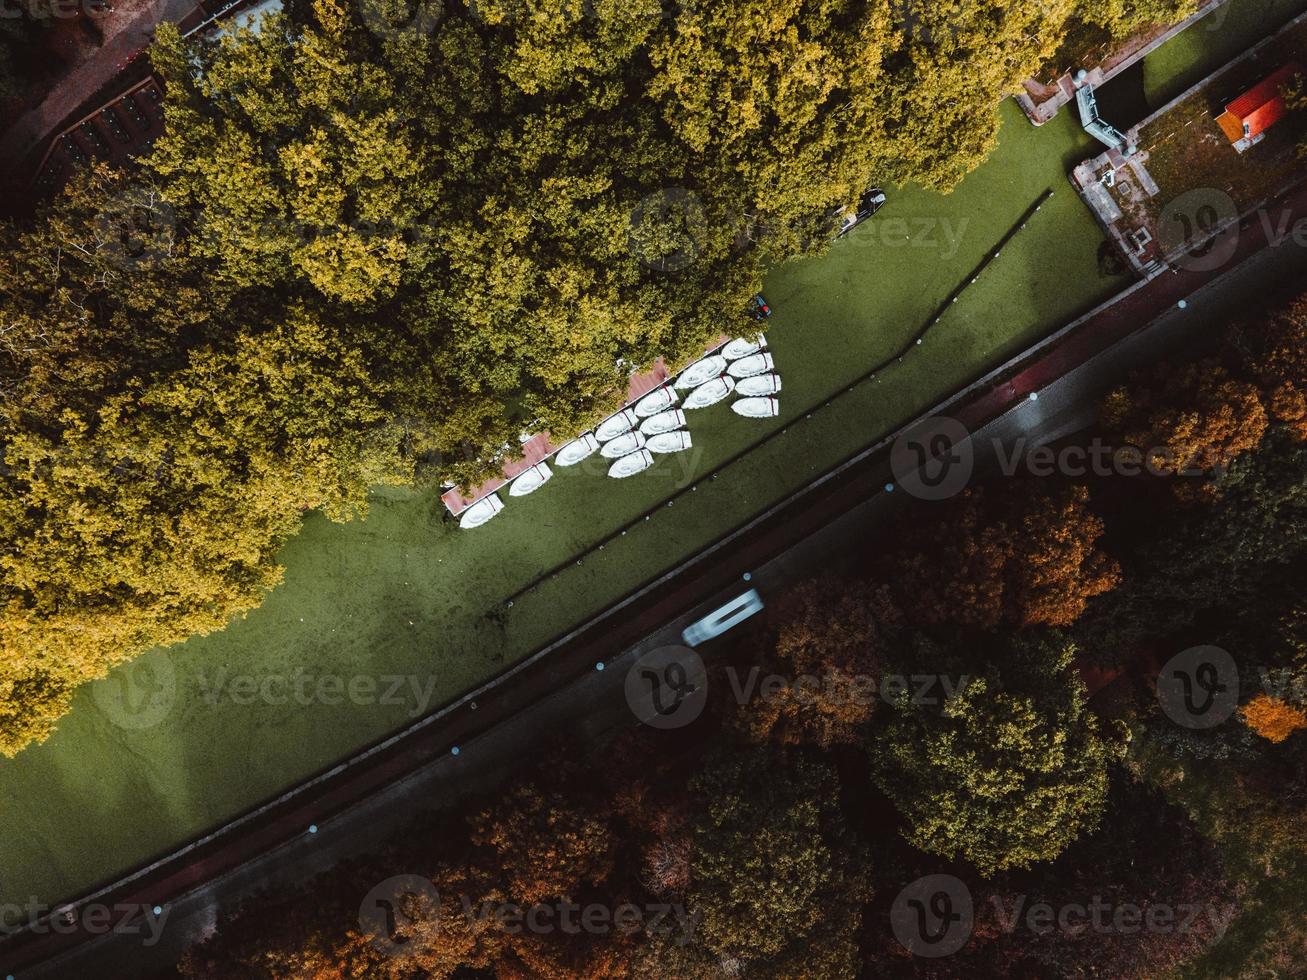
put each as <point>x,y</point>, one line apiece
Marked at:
<point>1248,117</point>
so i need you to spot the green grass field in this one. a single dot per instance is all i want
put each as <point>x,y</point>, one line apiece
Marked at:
<point>403,594</point>
<point>1221,36</point>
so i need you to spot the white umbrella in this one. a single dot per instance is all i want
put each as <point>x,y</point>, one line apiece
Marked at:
<point>577,450</point>
<point>701,371</point>
<point>663,422</point>
<point>759,384</point>
<point>739,347</point>
<point>756,408</point>
<point>753,364</point>
<point>615,425</point>
<point>630,465</point>
<point>622,445</point>
<point>656,401</point>
<point>669,442</point>
<point>710,393</point>
<point>481,511</point>
<point>530,480</point>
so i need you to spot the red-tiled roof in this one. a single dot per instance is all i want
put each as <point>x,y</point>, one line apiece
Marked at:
<point>1266,116</point>
<point>1262,105</point>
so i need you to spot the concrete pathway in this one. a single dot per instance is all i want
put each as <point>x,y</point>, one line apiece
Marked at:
<point>25,137</point>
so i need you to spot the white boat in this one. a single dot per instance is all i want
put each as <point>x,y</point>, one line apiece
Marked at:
<point>710,393</point>
<point>622,445</point>
<point>577,450</point>
<point>658,400</point>
<point>481,511</point>
<point>740,347</point>
<point>636,462</point>
<point>756,408</point>
<point>530,480</point>
<point>759,384</point>
<point>753,364</point>
<point>669,442</point>
<point>662,422</point>
<point>615,425</point>
<point>701,371</point>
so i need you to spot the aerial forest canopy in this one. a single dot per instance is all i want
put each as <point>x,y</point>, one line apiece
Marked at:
<point>379,241</point>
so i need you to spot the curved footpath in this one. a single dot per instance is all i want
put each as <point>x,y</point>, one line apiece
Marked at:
<point>359,802</point>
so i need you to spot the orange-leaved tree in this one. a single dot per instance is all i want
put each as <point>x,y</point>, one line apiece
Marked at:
<point>1027,557</point>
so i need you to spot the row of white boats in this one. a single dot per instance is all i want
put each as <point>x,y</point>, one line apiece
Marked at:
<point>654,424</point>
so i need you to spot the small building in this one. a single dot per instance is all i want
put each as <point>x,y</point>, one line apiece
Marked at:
<point>1246,119</point>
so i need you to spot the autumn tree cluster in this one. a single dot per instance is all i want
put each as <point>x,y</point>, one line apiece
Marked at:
<point>379,240</point>
<point>784,822</point>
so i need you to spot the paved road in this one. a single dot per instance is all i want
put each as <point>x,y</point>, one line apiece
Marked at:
<point>360,802</point>
<point>21,141</point>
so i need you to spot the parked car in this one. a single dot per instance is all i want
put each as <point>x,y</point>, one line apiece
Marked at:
<point>870,202</point>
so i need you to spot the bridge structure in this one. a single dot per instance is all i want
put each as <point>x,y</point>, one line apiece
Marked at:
<point>1104,132</point>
